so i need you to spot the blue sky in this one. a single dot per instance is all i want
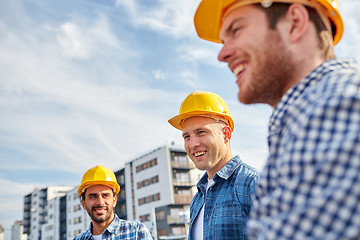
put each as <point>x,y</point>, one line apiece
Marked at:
<point>92,82</point>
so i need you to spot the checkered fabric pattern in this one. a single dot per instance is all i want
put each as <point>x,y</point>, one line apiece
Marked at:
<point>227,202</point>
<point>120,229</point>
<point>310,186</point>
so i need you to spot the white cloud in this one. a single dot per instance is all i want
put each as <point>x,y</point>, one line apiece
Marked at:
<point>159,75</point>
<point>174,18</point>
<point>86,41</point>
<point>203,52</point>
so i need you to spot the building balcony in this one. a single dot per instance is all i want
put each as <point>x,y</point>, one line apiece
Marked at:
<point>182,184</point>
<point>182,199</point>
<point>183,165</point>
<point>27,207</point>
<point>174,220</point>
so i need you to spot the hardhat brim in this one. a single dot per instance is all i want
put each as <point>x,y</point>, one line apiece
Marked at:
<point>86,185</point>
<point>178,119</point>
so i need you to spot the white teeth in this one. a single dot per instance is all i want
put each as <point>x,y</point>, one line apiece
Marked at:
<point>238,69</point>
<point>199,154</point>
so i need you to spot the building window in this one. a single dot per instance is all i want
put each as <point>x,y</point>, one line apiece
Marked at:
<point>184,192</point>
<point>161,232</point>
<point>160,215</point>
<point>121,179</point>
<point>178,230</point>
<point>145,218</point>
<point>48,228</point>
<point>149,199</point>
<point>77,220</point>
<point>77,207</point>
<point>182,160</point>
<point>146,165</point>
<point>181,177</point>
<point>148,182</point>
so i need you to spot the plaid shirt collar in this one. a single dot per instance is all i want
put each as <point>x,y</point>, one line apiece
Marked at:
<point>112,228</point>
<point>225,172</point>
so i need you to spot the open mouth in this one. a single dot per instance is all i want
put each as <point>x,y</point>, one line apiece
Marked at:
<point>239,69</point>
<point>198,154</point>
<point>99,209</point>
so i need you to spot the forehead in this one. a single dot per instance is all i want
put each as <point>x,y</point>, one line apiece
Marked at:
<point>98,189</point>
<point>197,122</point>
<point>249,13</point>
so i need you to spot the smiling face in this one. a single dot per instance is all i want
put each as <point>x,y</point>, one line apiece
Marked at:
<point>99,202</point>
<point>207,143</point>
<point>256,54</point>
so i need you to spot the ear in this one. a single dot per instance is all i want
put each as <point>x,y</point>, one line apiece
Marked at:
<point>83,204</point>
<point>115,201</point>
<point>227,133</point>
<point>299,21</point>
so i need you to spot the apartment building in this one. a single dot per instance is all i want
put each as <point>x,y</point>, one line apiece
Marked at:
<point>120,208</point>
<point>17,231</point>
<point>50,229</point>
<point>35,209</point>
<point>159,186</point>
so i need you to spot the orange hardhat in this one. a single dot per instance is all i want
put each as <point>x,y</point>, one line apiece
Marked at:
<point>209,15</point>
<point>99,175</point>
<point>206,104</point>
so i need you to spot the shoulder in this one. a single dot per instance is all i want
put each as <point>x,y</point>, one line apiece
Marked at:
<point>82,236</point>
<point>132,228</point>
<point>245,177</point>
<point>336,78</point>
<point>247,172</point>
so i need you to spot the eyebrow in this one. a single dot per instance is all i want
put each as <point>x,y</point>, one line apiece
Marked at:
<point>195,130</point>
<point>229,28</point>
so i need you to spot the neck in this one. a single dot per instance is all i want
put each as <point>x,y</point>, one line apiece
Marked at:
<point>99,228</point>
<point>220,164</point>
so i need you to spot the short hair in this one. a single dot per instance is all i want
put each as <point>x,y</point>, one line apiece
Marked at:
<point>278,10</point>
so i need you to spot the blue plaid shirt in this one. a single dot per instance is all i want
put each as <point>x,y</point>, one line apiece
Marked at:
<point>227,202</point>
<point>310,186</point>
<point>120,229</point>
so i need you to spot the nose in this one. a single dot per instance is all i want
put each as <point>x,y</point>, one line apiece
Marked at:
<point>100,200</point>
<point>192,143</point>
<point>225,54</point>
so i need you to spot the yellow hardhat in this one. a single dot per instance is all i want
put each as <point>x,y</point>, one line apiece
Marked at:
<point>99,175</point>
<point>209,15</point>
<point>201,103</point>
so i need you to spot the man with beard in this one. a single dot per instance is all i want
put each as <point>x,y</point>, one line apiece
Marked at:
<point>98,192</point>
<point>281,53</point>
<point>221,207</point>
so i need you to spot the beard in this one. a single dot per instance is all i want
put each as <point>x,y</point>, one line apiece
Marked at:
<point>108,212</point>
<point>271,74</point>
